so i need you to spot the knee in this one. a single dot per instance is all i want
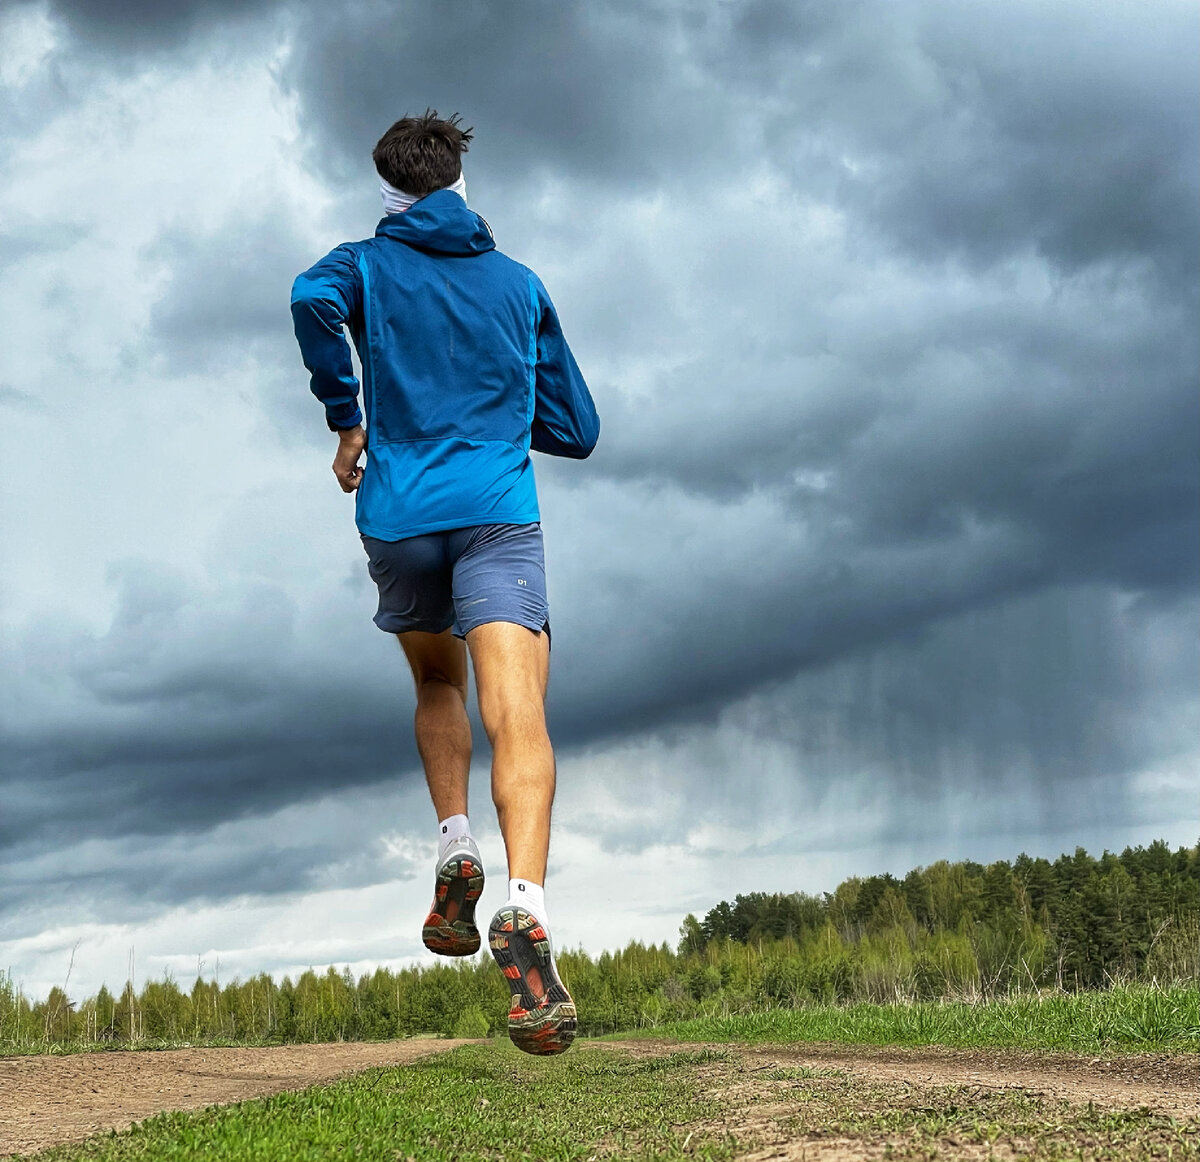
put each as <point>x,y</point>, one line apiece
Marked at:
<point>432,684</point>
<point>513,718</point>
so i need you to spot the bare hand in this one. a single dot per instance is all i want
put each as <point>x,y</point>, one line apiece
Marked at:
<point>351,442</point>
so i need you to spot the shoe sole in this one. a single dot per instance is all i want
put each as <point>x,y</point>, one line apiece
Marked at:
<point>540,1024</point>
<point>459,886</point>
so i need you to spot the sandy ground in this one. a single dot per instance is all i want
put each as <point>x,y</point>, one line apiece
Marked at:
<point>47,1100</point>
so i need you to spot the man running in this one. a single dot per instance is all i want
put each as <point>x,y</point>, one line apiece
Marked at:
<point>465,370</point>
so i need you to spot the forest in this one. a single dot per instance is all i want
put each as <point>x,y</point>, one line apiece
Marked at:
<point>958,931</point>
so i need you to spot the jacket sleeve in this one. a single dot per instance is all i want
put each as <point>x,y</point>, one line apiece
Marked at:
<point>564,418</point>
<point>325,297</point>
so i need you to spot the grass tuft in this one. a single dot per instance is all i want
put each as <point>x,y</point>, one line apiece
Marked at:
<point>1123,1019</point>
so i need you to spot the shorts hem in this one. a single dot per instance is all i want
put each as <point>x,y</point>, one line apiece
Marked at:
<point>442,526</point>
<point>544,627</point>
<point>390,623</point>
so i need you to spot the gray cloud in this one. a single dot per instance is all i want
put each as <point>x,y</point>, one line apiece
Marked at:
<point>225,289</point>
<point>890,313</point>
<point>18,400</point>
<point>1070,421</point>
<point>1019,719</point>
<point>127,27</point>
<point>298,852</point>
<point>982,131</point>
<point>988,130</point>
<point>550,88</point>
<point>185,715</point>
<point>224,307</point>
<point>28,240</point>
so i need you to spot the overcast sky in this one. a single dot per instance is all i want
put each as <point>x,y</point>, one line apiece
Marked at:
<point>889,551</point>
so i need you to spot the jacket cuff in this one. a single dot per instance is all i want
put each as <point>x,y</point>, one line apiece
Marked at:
<point>343,422</point>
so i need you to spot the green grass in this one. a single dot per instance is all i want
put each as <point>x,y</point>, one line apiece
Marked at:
<point>475,1102</point>
<point>1132,1019</point>
<point>142,1045</point>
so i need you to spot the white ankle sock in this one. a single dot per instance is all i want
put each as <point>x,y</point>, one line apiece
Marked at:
<point>528,895</point>
<point>451,828</point>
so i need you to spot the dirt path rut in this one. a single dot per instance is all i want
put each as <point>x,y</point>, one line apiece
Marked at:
<point>1166,1083</point>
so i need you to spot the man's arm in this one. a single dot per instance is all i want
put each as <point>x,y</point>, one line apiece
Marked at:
<point>324,298</point>
<point>564,419</point>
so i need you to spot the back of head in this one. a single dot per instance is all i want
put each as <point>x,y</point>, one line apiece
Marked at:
<point>421,154</point>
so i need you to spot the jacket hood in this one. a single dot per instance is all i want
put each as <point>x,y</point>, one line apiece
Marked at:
<point>440,223</point>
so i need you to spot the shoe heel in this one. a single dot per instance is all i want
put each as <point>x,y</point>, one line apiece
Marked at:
<point>463,877</point>
<point>550,1026</point>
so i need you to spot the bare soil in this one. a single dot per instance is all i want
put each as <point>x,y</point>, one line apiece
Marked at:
<point>1166,1083</point>
<point>840,1103</point>
<point>46,1100</point>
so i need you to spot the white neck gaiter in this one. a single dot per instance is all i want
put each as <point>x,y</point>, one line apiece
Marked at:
<point>397,201</point>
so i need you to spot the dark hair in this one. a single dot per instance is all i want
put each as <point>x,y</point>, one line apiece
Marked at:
<point>421,154</point>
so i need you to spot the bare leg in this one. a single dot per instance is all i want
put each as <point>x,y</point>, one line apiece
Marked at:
<point>439,667</point>
<point>512,667</point>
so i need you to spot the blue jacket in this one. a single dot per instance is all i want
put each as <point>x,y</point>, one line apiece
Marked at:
<point>464,367</point>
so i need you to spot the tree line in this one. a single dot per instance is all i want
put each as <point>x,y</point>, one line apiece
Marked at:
<point>1078,922</point>
<point>955,931</point>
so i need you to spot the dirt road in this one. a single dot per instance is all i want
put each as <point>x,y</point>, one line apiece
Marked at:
<point>1168,1084</point>
<point>841,1103</point>
<point>47,1100</point>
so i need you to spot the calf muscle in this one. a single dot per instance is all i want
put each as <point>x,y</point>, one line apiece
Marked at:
<point>512,666</point>
<point>443,730</point>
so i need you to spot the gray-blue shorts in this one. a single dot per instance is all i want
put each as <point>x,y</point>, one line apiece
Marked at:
<point>461,578</point>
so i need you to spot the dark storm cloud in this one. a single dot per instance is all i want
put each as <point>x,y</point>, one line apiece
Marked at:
<point>178,725</point>
<point>665,639</point>
<point>156,875</point>
<point>124,27</point>
<point>193,708</point>
<point>1075,425</point>
<point>943,452</point>
<point>986,129</point>
<point>885,498</point>
<point>549,87</point>
<point>979,130</point>
<point>160,871</point>
<point>1039,707</point>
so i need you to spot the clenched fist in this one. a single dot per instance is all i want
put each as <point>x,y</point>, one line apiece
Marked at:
<point>351,442</point>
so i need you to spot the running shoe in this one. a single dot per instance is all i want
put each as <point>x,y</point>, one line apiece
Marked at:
<point>542,1017</point>
<point>450,926</point>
